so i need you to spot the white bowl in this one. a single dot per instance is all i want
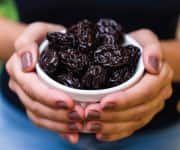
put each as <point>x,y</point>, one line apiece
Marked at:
<point>93,95</point>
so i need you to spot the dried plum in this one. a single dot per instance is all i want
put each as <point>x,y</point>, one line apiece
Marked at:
<point>108,26</point>
<point>74,60</point>
<point>68,80</point>
<point>94,78</point>
<point>49,61</point>
<point>120,75</point>
<point>110,56</point>
<point>135,54</point>
<point>108,30</point>
<point>61,41</point>
<point>84,31</point>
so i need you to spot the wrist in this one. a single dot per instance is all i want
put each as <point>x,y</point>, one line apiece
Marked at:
<point>8,34</point>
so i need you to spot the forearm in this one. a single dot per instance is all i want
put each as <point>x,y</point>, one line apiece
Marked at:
<point>9,31</point>
<point>171,50</point>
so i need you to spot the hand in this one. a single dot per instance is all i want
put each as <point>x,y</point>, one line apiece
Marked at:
<point>120,114</point>
<point>46,107</point>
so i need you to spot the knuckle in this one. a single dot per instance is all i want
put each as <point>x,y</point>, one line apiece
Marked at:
<point>20,43</point>
<point>11,85</point>
<point>52,126</point>
<point>8,68</point>
<point>39,124</point>
<point>37,24</point>
<point>139,114</point>
<point>35,120</point>
<point>35,109</point>
<point>146,31</point>
<point>50,114</point>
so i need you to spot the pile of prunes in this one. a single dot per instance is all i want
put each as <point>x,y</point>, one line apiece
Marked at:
<point>90,56</point>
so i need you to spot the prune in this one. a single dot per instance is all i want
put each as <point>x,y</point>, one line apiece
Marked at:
<point>120,75</point>
<point>94,78</point>
<point>108,26</point>
<point>74,60</point>
<point>61,41</point>
<point>135,54</point>
<point>84,31</point>
<point>110,56</point>
<point>107,39</point>
<point>68,80</point>
<point>107,29</point>
<point>90,56</point>
<point>49,61</point>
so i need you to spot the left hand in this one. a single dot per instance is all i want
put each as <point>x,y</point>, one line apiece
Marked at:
<point>120,114</point>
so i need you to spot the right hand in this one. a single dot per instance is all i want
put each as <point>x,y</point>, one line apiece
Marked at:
<point>46,107</point>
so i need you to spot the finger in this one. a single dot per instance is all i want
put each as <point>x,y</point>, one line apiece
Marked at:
<point>94,112</point>
<point>72,138</point>
<point>35,33</point>
<point>152,54</point>
<point>28,56</point>
<point>55,114</point>
<point>147,88</point>
<point>114,137</point>
<point>54,126</point>
<point>27,44</point>
<point>146,113</point>
<point>37,89</point>
<point>127,129</point>
<point>112,128</point>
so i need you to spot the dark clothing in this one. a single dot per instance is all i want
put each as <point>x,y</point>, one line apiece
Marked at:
<point>159,16</point>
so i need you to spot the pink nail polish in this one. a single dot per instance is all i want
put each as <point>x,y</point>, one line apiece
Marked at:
<point>154,62</point>
<point>26,60</point>
<point>61,105</point>
<point>109,106</point>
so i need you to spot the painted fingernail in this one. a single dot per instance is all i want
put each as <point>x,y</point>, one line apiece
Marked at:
<point>61,105</point>
<point>95,127</point>
<point>93,115</point>
<point>109,106</point>
<point>73,127</point>
<point>154,62</point>
<point>74,116</point>
<point>26,60</point>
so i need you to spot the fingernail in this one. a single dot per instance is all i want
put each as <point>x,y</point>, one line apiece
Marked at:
<point>61,105</point>
<point>26,60</point>
<point>74,116</point>
<point>73,127</point>
<point>93,115</point>
<point>109,106</point>
<point>95,127</point>
<point>154,62</point>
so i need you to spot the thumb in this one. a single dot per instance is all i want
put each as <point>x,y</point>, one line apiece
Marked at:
<point>152,54</point>
<point>28,56</point>
<point>27,44</point>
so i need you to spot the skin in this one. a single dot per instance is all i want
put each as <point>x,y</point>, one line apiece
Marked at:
<point>141,102</point>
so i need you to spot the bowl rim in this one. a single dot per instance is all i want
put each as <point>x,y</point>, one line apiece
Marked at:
<point>137,75</point>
